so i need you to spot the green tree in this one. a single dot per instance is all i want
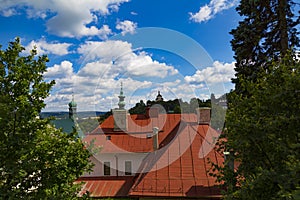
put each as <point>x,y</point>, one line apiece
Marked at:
<point>139,108</point>
<point>37,160</point>
<point>263,132</point>
<point>266,33</point>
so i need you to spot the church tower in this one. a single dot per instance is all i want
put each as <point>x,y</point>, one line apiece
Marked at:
<point>72,108</point>
<point>120,114</point>
<point>121,103</point>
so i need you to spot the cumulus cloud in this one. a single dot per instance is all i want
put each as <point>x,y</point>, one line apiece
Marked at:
<point>126,27</point>
<point>62,70</point>
<point>8,12</point>
<point>97,83</point>
<point>43,47</point>
<point>71,18</point>
<point>208,11</point>
<point>124,60</point>
<point>218,73</point>
<point>92,89</point>
<point>106,51</point>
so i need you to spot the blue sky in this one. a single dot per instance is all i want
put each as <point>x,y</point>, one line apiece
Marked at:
<point>181,48</point>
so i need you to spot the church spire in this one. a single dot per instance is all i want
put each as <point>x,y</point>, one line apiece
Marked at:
<point>121,103</point>
<point>72,107</point>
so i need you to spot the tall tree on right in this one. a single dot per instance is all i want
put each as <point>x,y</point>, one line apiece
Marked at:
<point>267,31</point>
<point>262,131</point>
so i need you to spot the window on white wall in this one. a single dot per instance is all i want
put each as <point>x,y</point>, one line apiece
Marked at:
<point>128,168</point>
<point>106,168</point>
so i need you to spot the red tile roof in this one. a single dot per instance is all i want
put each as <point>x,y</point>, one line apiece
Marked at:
<point>180,166</point>
<point>135,140</point>
<point>107,186</point>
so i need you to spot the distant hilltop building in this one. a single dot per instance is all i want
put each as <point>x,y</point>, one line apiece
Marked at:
<point>159,97</point>
<point>153,155</point>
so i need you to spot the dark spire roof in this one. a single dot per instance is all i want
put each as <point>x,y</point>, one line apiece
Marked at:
<point>159,97</point>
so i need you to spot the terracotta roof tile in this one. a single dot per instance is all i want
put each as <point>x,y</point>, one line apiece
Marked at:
<point>107,186</point>
<point>187,174</point>
<point>135,140</point>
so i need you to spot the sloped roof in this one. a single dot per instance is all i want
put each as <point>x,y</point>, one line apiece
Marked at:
<point>178,169</point>
<point>181,169</point>
<point>140,124</point>
<point>135,140</point>
<point>112,186</point>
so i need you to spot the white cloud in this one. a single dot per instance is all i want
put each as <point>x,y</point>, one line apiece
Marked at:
<point>208,11</point>
<point>71,18</point>
<point>218,73</point>
<point>143,65</point>
<point>107,51</point>
<point>8,12</point>
<point>126,27</point>
<point>43,47</point>
<point>96,85</point>
<point>92,89</point>
<point>124,60</point>
<point>63,70</point>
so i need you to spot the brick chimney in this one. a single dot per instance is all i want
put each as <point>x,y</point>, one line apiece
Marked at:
<point>203,115</point>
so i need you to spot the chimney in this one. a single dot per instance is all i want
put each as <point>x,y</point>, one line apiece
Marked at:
<point>155,138</point>
<point>120,120</point>
<point>152,112</point>
<point>203,115</point>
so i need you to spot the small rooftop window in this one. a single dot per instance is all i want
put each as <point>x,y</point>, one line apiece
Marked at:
<point>108,137</point>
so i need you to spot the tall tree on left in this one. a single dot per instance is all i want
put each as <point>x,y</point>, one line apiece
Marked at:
<point>37,160</point>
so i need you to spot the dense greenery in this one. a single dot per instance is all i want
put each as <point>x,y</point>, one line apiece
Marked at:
<point>266,33</point>
<point>178,106</point>
<point>171,106</point>
<point>263,133</point>
<point>262,120</point>
<point>37,160</point>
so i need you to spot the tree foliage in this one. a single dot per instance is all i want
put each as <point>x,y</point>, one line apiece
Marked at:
<point>266,33</point>
<point>262,122</point>
<point>263,132</point>
<point>37,160</point>
<point>172,106</point>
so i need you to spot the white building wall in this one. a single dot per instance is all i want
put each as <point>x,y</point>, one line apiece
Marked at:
<point>117,163</point>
